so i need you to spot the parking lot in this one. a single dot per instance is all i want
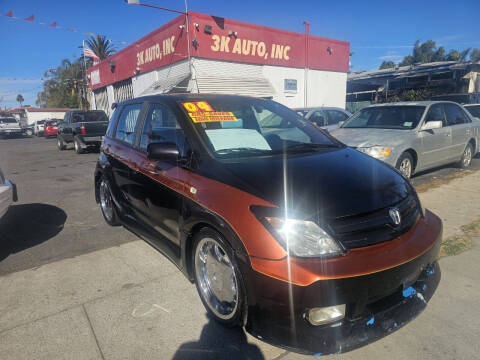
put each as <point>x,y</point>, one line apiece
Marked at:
<point>73,287</point>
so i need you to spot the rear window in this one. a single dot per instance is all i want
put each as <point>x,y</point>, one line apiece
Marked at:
<point>41,122</point>
<point>51,123</point>
<point>8,120</point>
<point>89,116</point>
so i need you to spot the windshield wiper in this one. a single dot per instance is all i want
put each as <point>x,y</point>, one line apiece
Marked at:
<point>310,147</point>
<point>243,150</point>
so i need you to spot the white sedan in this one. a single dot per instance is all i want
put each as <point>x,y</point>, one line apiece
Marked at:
<point>8,194</point>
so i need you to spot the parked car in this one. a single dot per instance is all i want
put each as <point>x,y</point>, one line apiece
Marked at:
<point>9,126</point>
<point>326,118</point>
<point>473,109</point>
<point>51,127</point>
<point>310,244</point>
<point>39,127</point>
<point>413,136</point>
<point>83,128</point>
<point>8,194</point>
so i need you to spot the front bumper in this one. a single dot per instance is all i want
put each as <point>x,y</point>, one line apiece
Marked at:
<point>377,304</point>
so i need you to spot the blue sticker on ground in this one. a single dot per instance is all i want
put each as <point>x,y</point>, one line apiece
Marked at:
<point>430,271</point>
<point>424,287</point>
<point>371,321</point>
<point>410,291</point>
<point>318,354</point>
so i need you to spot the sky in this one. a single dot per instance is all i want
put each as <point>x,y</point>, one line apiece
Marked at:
<point>376,30</point>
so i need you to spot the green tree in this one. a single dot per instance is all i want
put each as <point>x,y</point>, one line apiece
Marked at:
<point>102,47</point>
<point>387,65</point>
<point>475,55</point>
<point>453,55</point>
<point>64,86</point>
<point>20,99</point>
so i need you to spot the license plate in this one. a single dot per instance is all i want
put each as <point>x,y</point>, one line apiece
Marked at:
<point>92,138</point>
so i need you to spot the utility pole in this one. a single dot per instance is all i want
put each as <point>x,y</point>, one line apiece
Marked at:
<point>305,85</point>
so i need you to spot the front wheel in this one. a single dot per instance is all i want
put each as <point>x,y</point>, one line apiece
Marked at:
<point>60,144</point>
<point>467,156</point>
<point>218,279</point>
<point>405,165</point>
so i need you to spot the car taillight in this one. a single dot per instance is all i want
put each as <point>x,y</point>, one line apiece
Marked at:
<point>82,130</point>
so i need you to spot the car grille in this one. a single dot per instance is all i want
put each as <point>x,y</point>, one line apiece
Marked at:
<point>375,227</point>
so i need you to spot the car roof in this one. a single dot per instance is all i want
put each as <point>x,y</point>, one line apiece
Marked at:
<point>187,97</point>
<point>467,105</point>
<point>413,103</point>
<point>318,108</point>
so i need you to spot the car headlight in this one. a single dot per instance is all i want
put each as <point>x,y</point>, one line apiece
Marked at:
<point>303,238</point>
<point>376,151</point>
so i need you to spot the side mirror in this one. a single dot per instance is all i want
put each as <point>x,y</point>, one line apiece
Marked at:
<point>340,123</point>
<point>164,151</point>
<point>431,125</point>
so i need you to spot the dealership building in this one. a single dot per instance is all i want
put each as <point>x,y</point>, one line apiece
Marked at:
<point>217,55</point>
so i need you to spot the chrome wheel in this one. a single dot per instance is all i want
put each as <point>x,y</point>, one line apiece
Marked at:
<point>216,278</point>
<point>467,156</point>
<point>406,167</point>
<point>106,202</point>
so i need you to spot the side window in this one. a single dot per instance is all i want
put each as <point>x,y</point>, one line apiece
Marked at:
<point>127,122</point>
<point>161,125</point>
<point>112,123</point>
<point>318,118</point>
<point>436,114</point>
<point>455,115</point>
<point>335,116</point>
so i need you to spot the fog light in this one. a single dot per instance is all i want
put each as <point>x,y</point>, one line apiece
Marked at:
<point>325,315</point>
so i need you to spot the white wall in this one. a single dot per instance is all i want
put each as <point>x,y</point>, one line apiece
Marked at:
<point>34,116</point>
<point>325,88</point>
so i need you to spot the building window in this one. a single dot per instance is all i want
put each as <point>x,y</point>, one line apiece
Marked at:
<point>290,85</point>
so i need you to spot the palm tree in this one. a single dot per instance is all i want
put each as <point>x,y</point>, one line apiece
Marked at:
<point>101,46</point>
<point>20,99</point>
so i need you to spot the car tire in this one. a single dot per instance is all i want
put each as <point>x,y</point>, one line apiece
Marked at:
<point>60,144</point>
<point>218,279</point>
<point>77,145</point>
<point>467,156</point>
<point>107,205</point>
<point>405,165</point>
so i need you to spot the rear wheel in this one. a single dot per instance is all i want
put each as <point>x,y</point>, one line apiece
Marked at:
<point>218,279</point>
<point>405,165</point>
<point>78,146</point>
<point>60,144</point>
<point>467,156</point>
<point>106,203</point>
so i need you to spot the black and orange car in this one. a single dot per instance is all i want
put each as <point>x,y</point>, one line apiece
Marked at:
<point>309,244</point>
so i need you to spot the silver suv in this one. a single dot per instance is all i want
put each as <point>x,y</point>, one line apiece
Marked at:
<point>413,136</point>
<point>9,126</point>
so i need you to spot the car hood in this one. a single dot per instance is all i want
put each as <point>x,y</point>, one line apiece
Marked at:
<point>370,137</point>
<point>324,185</point>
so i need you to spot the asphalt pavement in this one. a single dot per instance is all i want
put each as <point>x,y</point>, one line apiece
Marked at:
<point>73,287</point>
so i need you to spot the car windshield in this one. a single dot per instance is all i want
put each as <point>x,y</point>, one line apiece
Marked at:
<point>249,127</point>
<point>89,116</point>
<point>7,120</point>
<point>474,110</point>
<point>386,117</point>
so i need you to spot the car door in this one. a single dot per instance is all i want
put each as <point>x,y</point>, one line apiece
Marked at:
<point>461,128</point>
<point>157,194</point>
<point>436,143</point>
<point>118,150</point>
<point>67,132</point>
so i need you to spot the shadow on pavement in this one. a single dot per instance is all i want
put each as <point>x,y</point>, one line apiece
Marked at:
<point>219,342</point>
<point>27,225</point>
